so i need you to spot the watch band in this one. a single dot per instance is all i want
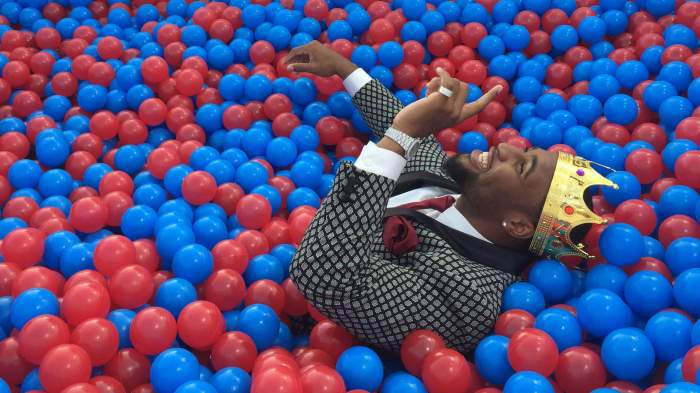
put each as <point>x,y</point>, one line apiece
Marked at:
<point>408,143</point>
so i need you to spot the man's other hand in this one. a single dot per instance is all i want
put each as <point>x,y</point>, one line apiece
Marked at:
<point>320,60</point>
<point>436,111</point>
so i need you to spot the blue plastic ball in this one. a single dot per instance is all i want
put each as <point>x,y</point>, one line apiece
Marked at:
<point>685,291</point>
<point>193,262</point>
<point>172,368</point>
<point>601,311</point>
<point>402,382</point>
<point>621,244</point>
<point>174,294</point>
<point>683,254</point>
<point>628,188</point>
<point>524,296</point>
<point>491,46</point>
<point>564,37</point>
<point>491,359</point>
<point>586,109</point>
<point>592,29</point>
<point>561,325</point>
<point>527,381</point>
<point>260,322</point>
<point>673,110</point>
<point>670,334</point>
<point>552,278</point>
<point>648,292</point>
<point>31,303</point>
<point>621,109</point>
<point>678,200</point>
<point>471,141</point>
<point>231,380</point>
<point>361,368</point>
<point>628,354</point>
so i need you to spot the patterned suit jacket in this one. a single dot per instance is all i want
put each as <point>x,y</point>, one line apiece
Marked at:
<point>343,268</point>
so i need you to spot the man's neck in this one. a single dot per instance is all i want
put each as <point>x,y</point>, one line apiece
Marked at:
<point>483,224</point>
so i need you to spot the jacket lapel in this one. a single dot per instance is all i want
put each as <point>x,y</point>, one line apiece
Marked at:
<point>477,250</point>
<point>413,180</point>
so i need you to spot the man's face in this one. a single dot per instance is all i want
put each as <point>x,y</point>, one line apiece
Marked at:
<point>504,179</point>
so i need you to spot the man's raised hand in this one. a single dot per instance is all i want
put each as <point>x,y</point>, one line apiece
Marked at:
<point>318,59</point>
<point>436,111</point>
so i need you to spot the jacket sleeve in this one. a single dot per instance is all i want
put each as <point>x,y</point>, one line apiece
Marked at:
<point>378,107</point>
<point>377,300</point>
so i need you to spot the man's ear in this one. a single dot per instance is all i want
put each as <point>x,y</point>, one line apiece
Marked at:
<point>518,226</point>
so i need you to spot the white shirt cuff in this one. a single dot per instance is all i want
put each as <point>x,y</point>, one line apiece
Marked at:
<point>356,80</point>
<point>380,161</point>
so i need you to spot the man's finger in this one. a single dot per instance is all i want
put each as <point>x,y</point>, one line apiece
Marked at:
<point>447,82</point>
<point>462,95</point>
<point>433,85</point>
<point>477,106</point>
<point>302,67</point>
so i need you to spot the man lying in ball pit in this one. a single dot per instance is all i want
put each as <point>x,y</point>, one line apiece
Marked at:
<point>381,268</point>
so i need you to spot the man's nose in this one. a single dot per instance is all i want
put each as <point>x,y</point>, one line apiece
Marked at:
<point>507,152</point>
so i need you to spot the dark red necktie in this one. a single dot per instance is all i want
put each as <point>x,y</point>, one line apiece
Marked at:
<point>399,235</point>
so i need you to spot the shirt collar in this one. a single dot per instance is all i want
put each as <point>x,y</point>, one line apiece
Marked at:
<point>454,219</point>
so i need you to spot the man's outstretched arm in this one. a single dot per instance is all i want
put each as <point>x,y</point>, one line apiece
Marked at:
<point>377,105</point>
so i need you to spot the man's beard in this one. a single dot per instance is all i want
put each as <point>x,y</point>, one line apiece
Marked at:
<point>459,171</point>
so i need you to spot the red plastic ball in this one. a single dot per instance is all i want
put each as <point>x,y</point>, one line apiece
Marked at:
<point>230,254</point>
<point>200,324</point>
<point>331,130</point>
<point>580,370</point>
<point>382,30</point>
<point>645,164</point>
<point>98,337</point>
<point>40,335</point>
<point>416,347</point>
<point>533,350</point>
<point>266,292</point>
<point>153,330</point>
<point>472,34</point>
<point>637,213</point>
<point>262,52</point>
<point>129,367</point>
<point>237,116</point>
<point>446,371</point>
<point>113,253</point>
<point>330,338</point>
<point>689,128</point>
<point>13,368</point>
<point>253,211</point>
<point>106,384</point>
<point>687,168</point>
<point>440,43</point>
<point>225,288</point>
<point>513,321</point>
<point>234,349</point>
<point>677,226</point>
<point>104,124</point>
<point>154,70</point>
<point>111,47</point>
<point>649,263</point>
<point>319,378</point>
<point>131,286</point>
<point>24,247</point>
<point>63,366</point>
<point>153,111</point>
<point>37,277</point>
<point>199,187</point>
<point>85,301</point>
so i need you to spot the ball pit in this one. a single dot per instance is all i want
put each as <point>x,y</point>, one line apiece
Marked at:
<point>159,165</point>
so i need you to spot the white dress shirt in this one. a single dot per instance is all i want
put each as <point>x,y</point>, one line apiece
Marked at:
<point>387,163</point>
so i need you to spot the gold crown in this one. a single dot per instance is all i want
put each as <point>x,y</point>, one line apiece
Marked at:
<point>565,209</point>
